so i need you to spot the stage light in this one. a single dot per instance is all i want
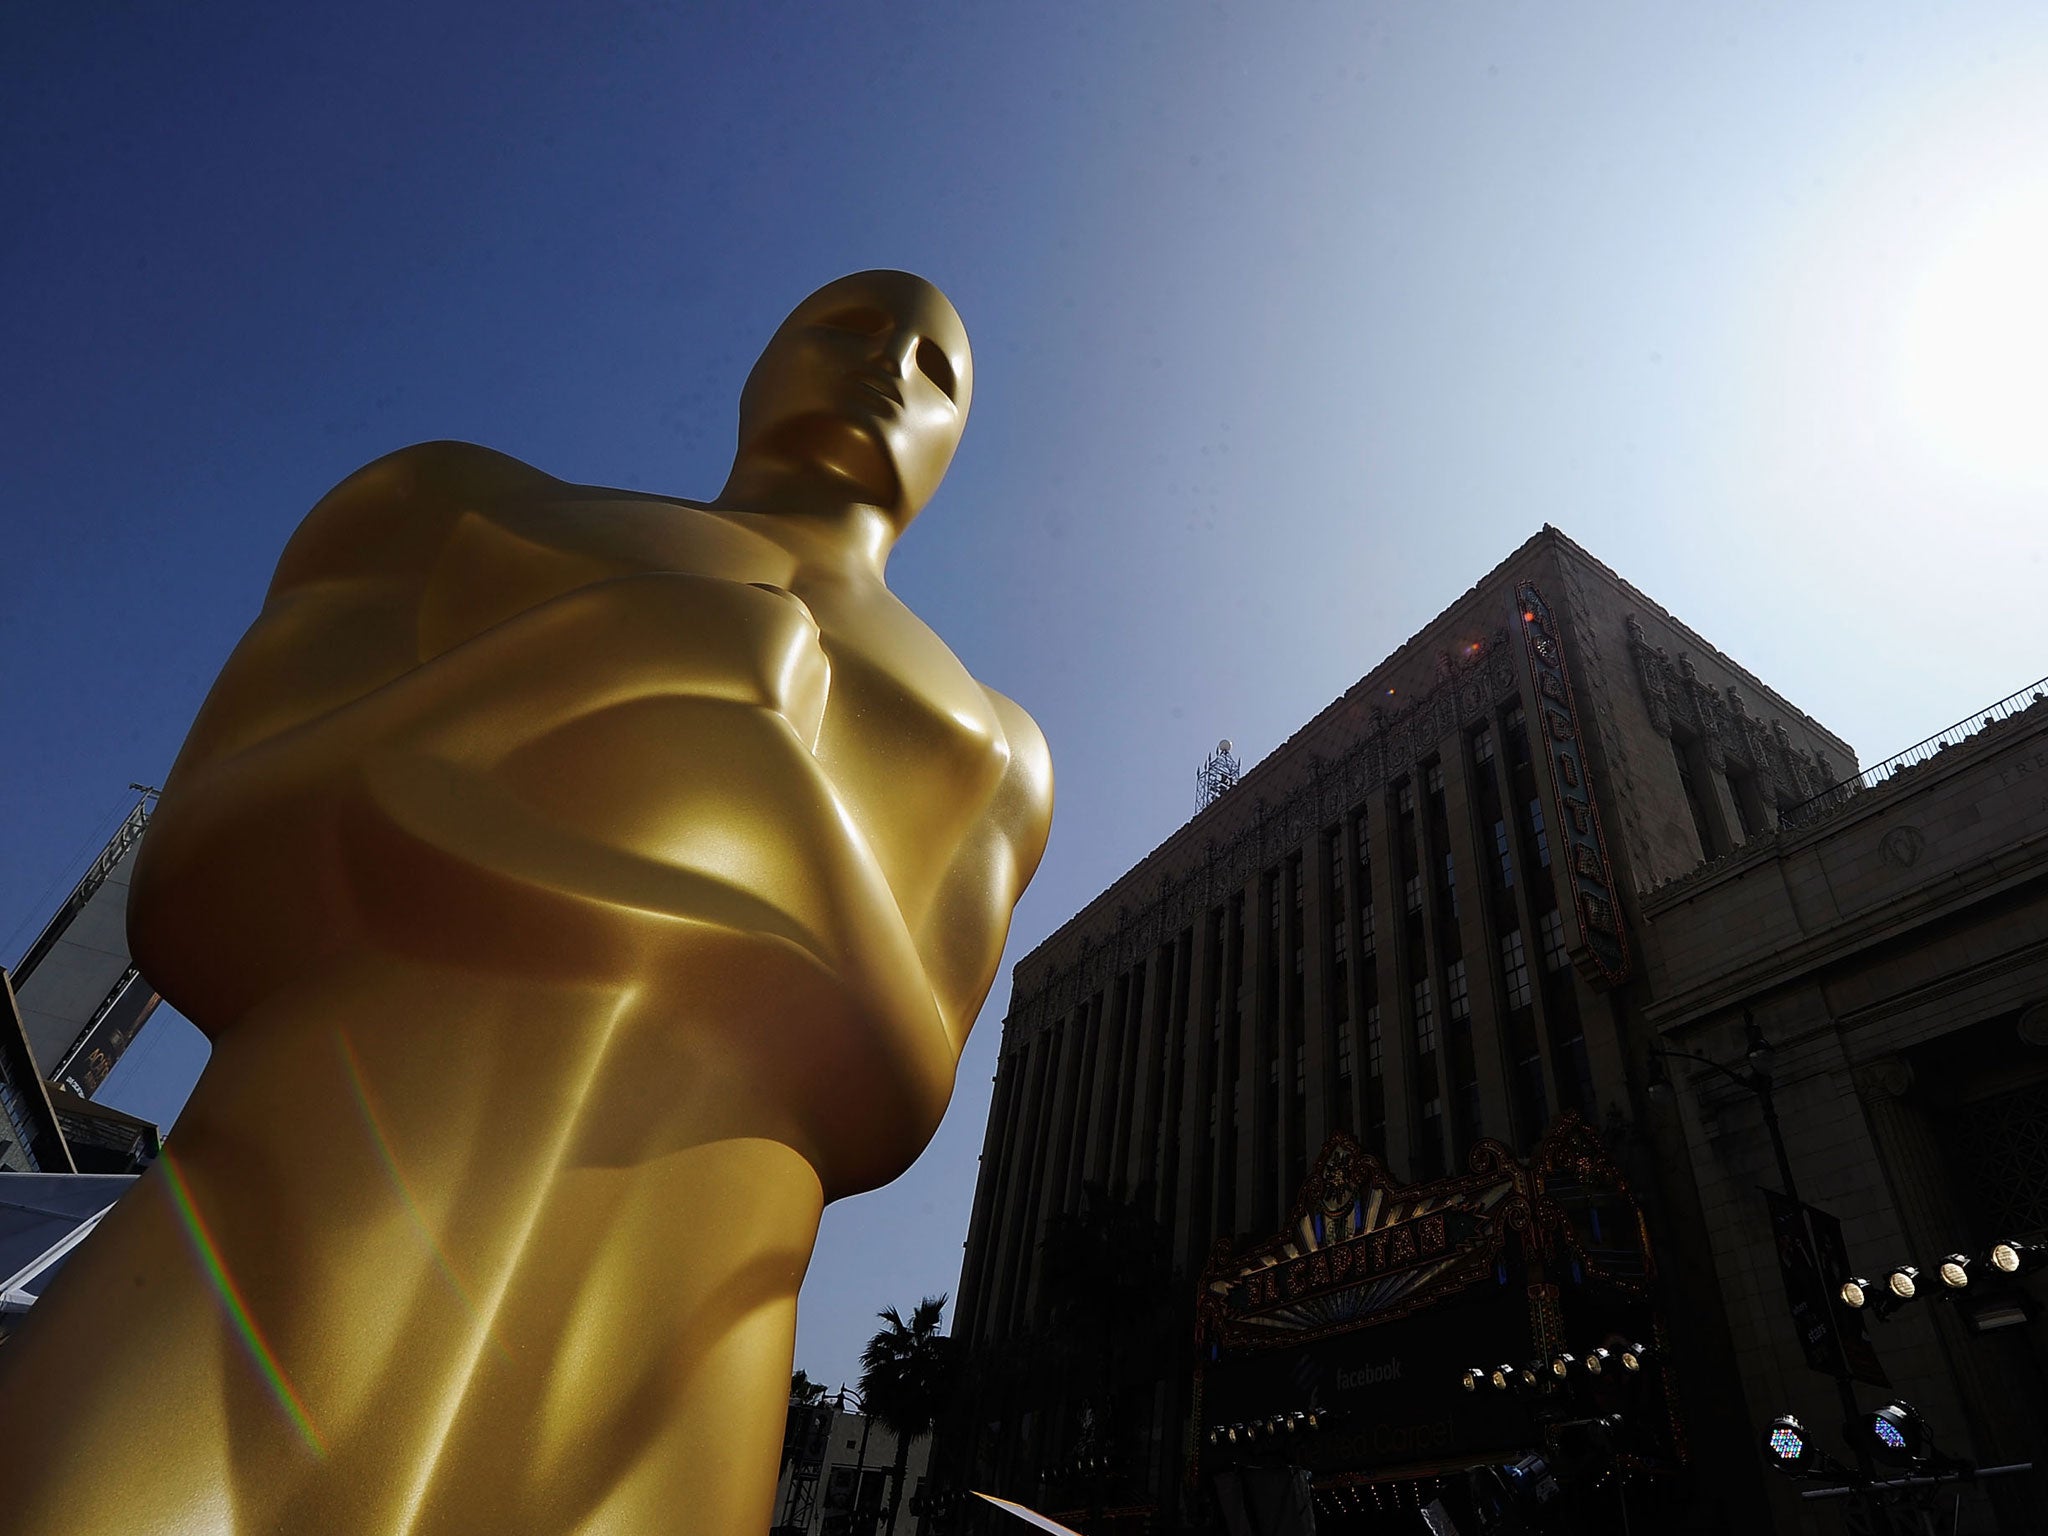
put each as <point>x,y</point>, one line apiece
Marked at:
<point>1596,1362</point>
<point>1903,1282</point>
<point>1502,1377</point>
<point>1293,1422</point>
<point>1561,1365</point>
<point>2018,1258</point>
<point>1897,1435</point>
<point>1955,1271</point>
<point>1215,1435</point>
<point>1530,1376</point>
<point>1634,1357</point>
<point>1473,1379</point>
<point>1232,1434</point>
<point>1787,1445</point>
<point>1315,1420</point>
<point>1855,1292</point>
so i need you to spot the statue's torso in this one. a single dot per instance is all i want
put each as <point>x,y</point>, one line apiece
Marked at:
<point>912,743</point>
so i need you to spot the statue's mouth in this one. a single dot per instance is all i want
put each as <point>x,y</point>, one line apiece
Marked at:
<point>881,390</point>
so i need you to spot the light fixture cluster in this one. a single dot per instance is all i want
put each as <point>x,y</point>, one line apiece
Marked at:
<point>1092,1464</point>
<point>1624,1360</point>
<point>1275,1427</point>
<point>1894,1435</point>
<point>1958,1277</point>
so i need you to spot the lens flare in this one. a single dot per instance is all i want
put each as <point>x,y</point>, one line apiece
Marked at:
<point>237,1309</point>
<point>367,1103</point>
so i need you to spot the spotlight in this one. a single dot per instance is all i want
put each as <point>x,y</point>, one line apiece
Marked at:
<point>1787,1445</point>
<point>2018,1258</point>
<point>1597,1362</point>
<point>1634,1357</point>
<point>1954,1271</point>
<point>1855,1292</point>
<point>1897,1435</point>
<point>1473,1379</point>
<point>1902,1282</point>
<point>1293,1422</point>
<point>1502,1377</point>
<point>1231,1434</point>
<point>1315,1420</point>
<point>1530,1376</point>
<point>1561,1365</point>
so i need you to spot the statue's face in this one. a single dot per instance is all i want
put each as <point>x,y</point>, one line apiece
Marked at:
<point>868,379</point>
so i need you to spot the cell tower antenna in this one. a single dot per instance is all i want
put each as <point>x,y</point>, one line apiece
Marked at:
<point>1219,773</point>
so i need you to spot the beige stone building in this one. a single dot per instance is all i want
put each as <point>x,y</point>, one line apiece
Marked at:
<point>1421,922</point>
<point>1893,945</point>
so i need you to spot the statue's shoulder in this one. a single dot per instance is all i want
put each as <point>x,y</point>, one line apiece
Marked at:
<point>392,516</point>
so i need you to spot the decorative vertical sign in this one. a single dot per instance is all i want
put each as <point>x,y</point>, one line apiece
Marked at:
<point>1584,850</point>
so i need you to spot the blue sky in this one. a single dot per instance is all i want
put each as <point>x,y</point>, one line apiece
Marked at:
<point>1289,321</point>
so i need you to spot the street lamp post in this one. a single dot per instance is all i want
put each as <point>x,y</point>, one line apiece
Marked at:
<point>1757,1081</point>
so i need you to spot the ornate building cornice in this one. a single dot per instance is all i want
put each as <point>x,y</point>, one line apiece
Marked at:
<point>1678,697</point>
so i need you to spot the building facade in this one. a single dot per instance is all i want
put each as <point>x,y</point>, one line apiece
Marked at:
<point>81,999</point>
<point>1892,943</point>
<point>839,1471</point>
<point>1416,923</point>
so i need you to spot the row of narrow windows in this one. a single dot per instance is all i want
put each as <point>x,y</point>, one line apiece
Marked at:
<point>1259,981</point>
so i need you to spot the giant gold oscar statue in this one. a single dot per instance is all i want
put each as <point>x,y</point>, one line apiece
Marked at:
<point>580,888</point>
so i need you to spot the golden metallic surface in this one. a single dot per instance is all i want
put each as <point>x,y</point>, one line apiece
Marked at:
<point>580,888</point>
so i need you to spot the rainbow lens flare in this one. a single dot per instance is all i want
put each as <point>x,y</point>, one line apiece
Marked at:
<point>237,1308</point>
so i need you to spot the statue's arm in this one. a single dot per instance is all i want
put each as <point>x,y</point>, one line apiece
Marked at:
<point>963,933</point>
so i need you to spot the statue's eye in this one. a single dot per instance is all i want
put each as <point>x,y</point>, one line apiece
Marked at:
<point>936,366</point>
<point>858,320</point>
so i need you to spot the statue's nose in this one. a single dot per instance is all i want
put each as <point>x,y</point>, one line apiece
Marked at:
<point>896,351</point>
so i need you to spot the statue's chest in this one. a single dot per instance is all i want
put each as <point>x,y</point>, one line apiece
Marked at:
<point>905,723</point>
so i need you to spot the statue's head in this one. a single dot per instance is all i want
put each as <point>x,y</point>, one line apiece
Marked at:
<point>866,384</point>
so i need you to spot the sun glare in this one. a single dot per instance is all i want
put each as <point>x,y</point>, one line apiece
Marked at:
<point>1975,360</point>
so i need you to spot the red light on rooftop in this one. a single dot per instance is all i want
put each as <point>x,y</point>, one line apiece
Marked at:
<point>1528,616</point>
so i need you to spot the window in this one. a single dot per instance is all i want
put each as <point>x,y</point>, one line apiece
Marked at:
<point>1551,930</point>
<point>1518,737</point>
<point>1425,1017</point>
<point>1412,893</point>
<point>1457,991</point>
<point>1404,798</point>
<point>1500,848</point>
<point>1689,775</point>
<point>1273,907</point>
<point>1365,929</point>
<point>1482,745</point>
<point>1451,883</point>
<point>1344,1051</point>
<point>1339,931</point>
<point>1536,830</point>
<point>1216,1024</point>
<point>1335,843</point>
<point>1212,1114</point>
<point>1433,777</point>
<point>1514,968</point>
<point>1273,1073</point>
<point>1372,1039</point>
<point>1300,1069</point>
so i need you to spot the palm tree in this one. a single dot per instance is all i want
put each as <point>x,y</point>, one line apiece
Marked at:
<point>804,1391</point>
<point>903,1381</point>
